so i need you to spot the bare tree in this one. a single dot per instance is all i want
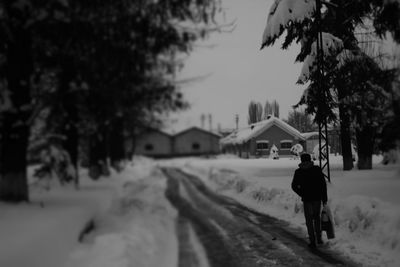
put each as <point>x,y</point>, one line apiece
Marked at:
<point>271,108</point>
<point>300,120</point>
<point>255,112</point>
<point>275,108</point>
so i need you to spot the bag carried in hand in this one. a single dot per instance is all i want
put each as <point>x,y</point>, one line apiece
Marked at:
<point>327,222</point>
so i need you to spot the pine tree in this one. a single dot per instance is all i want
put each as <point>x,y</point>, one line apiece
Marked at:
<point>339,22</point>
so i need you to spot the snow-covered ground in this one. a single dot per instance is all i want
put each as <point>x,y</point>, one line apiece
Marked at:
<point>365,204</point>
<point>42,232</point>
<point>137,230</point>
<point>135,225</point>
<point>45,232</point>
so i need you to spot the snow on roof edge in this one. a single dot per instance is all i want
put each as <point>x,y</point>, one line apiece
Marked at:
<point>198,129</point>
<point>307,135</point>
<point>240,136</point>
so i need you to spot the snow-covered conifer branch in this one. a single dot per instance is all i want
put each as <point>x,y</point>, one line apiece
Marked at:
<point>346,56</point>
<point>281,14</point>
<point>330,44</point>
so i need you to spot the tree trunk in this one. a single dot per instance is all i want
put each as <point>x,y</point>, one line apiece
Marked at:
<point>131,153</point>
<point>13,179</point>
<point>345,135</point>
<point>71,144</point>
<point>116,143</point>
<point>345,139</point>
<point>364,162</point>
<point>365,144</point>
<point>98,156</point>
<point>69,103</point>
<point>15,131</point>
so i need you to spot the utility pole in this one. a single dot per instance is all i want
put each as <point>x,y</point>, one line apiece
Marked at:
<point>322,105</point>
<point>202,120</point>
<point>237,121</point>
<point>210,121</point>
<point>210,138</point>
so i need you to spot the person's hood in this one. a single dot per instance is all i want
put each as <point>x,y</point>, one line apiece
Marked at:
<point>306,165</point>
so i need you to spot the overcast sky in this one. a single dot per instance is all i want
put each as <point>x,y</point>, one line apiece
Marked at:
<point>238,70</point>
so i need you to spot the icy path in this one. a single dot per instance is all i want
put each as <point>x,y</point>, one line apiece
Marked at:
<point>232,235</point>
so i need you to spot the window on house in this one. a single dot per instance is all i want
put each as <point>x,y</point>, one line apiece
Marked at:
<point>195,146</point>
<point>286,144</point>
<point>262,145</point>
<point>149,147</point>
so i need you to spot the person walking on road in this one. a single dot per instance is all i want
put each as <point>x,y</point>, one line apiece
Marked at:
<point>309,183</point>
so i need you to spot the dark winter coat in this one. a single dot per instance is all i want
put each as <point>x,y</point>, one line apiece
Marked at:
<point>309,182</point>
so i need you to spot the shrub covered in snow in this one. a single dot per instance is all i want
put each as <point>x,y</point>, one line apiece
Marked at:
<point>391,157</point>
<point>226,179</point>
<point>55,162</point>
<point>368,218</point>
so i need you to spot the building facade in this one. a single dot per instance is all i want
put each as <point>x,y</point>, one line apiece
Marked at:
<point>252,141</point>
<point>154,143</point>
<point>195,141</point>
<point>190,142</point>
<point>312,140</point>
<point>256,140</point>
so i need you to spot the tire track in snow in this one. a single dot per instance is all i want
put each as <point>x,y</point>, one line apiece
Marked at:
<point>234,235</point>
<point>202,226</point>
<point>191,252</point>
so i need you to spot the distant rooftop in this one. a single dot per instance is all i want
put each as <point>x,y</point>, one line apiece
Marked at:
<point>242,135</point>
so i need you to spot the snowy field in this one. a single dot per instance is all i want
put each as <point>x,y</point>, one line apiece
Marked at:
<point>365,204</point>
<point>44,232</point>
<point>135,225</point>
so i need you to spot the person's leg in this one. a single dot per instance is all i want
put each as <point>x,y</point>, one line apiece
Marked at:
<point>316,206</point>
<point>308,214</point>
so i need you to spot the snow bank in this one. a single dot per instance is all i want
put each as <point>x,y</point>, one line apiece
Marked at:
<point>45,230</point>
<point>370,221</point>
<point>139,228</point>
<point>141,167</point>
<point>367,228</point>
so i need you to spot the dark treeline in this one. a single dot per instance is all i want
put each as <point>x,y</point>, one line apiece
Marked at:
<point>88,74</point>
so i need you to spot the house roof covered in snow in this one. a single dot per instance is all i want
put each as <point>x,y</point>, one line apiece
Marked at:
<point>243,135</point>
<point>148,130</point>
<point>310,134</point>
<point>194,128</point>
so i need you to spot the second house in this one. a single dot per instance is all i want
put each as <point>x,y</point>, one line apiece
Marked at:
<point>193,141</point>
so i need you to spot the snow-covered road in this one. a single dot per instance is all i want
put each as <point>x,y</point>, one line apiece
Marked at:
<point>186,212</point>
<point>214,230</point>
